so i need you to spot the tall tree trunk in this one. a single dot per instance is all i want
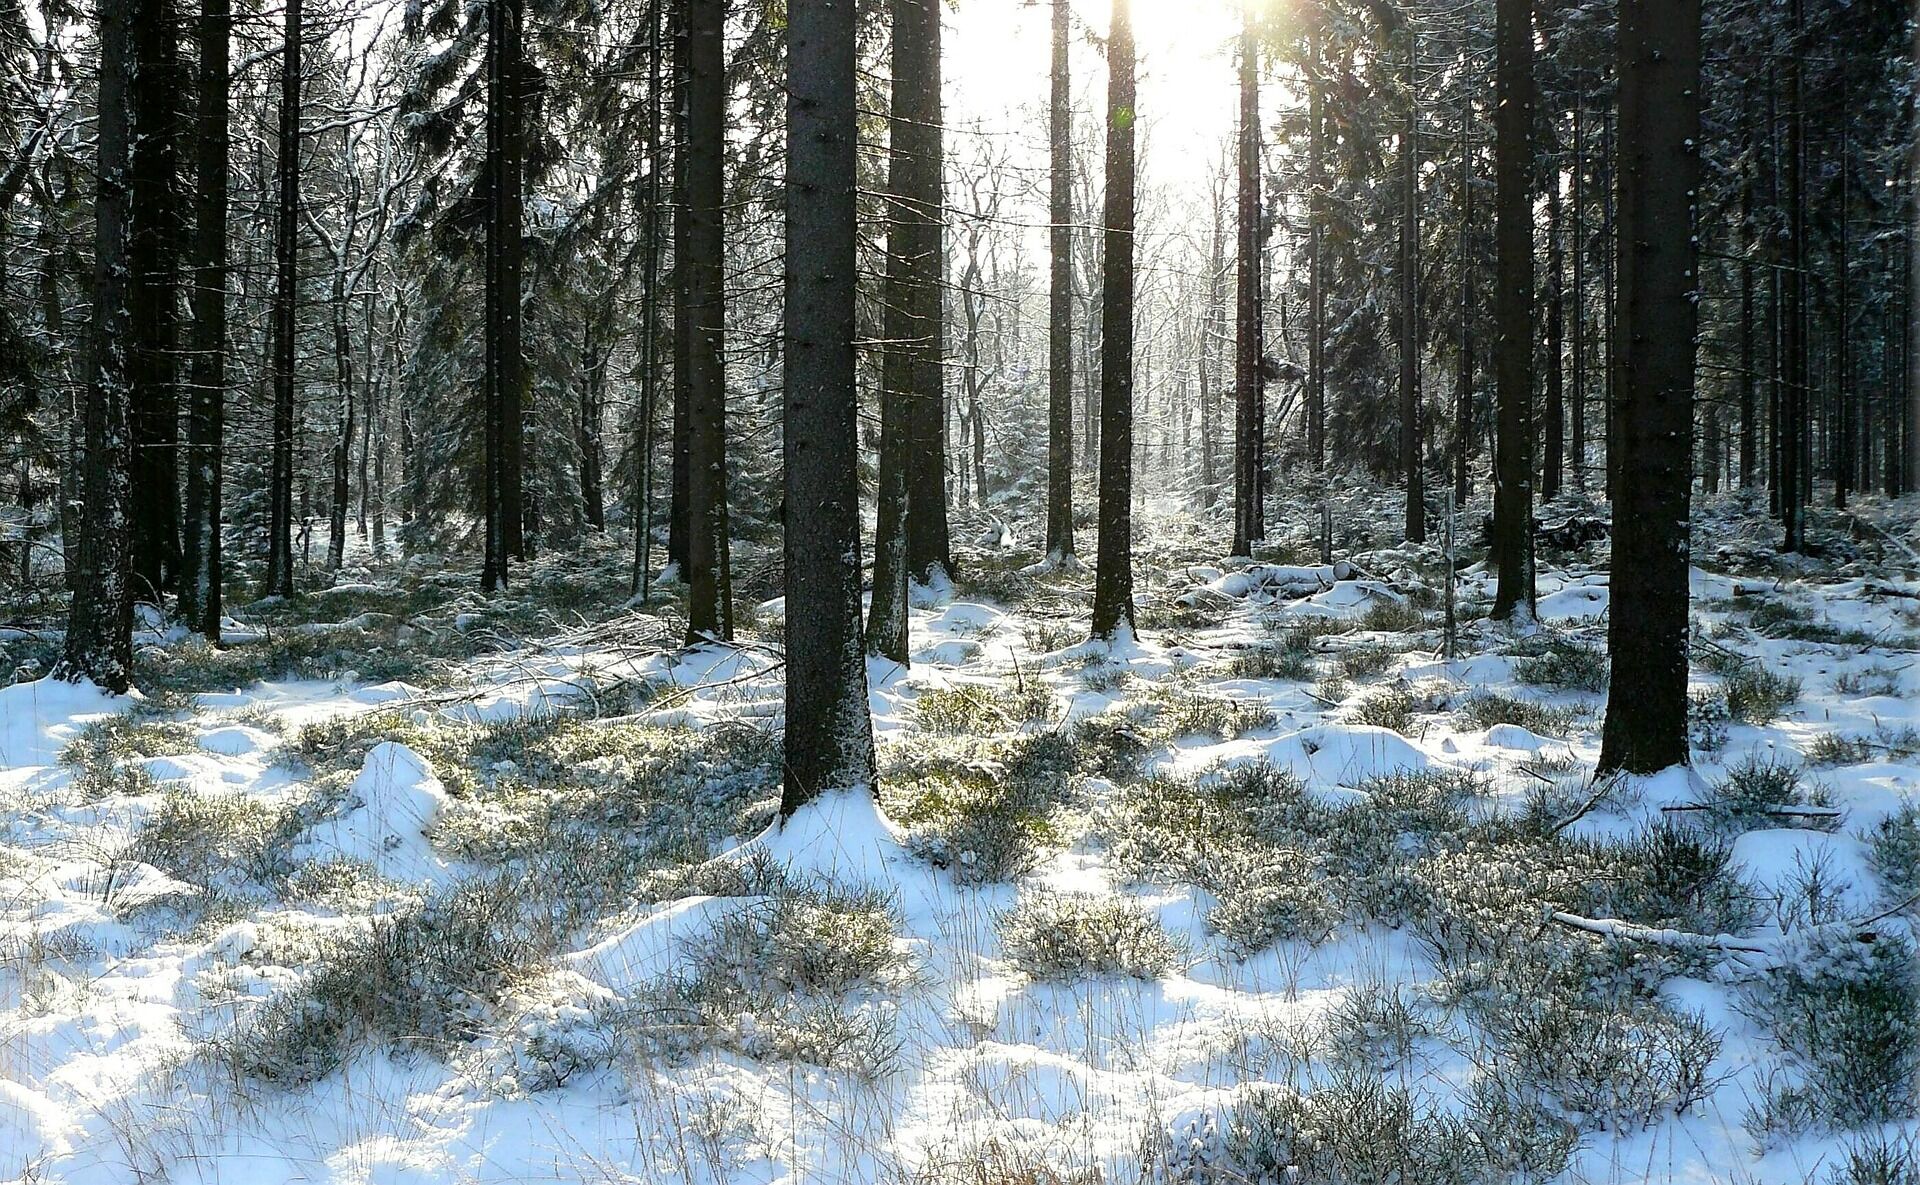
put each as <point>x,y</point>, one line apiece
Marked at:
<point>1555,444</point>
<point>343,443</point>
<point>1577,301</point>
<point>829,733</point>
<point>641,506</point>
<point>505,367</point>
<point>1247,345</point>
<point>1749,381</point>
<point>155,235</point>
<point>1060,299</point>
<point>1416,510</point>
<point>1113,583</point>
<point>928,545</point>
<point>593,396</point>
<point>99,641</point>
<point>1910,477</point>
<point>1845,427</point>
<point>1793,413</point>
<point>1210,329</point>
<point>1513,311</point>
<point>1463,384</point>
<point>1316,280</point>
<point>709,612</point>
<point>286,251</point>
<point>201,568</point>
<point>678,528</point>
<point>910,364</point>
<point>1646,724</point>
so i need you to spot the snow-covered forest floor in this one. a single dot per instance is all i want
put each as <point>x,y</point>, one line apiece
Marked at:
<point>409,886</point>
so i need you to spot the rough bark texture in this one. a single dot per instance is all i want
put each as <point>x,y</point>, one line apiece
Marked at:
<point>99,643</point>
<point>829,734</point>
<point>1555,411</point>
<point>286,251</point>
<point>1246,302</point>
<point>1911,475</point>
<point>1113,583</point>
<point>1410,467</point>
<point>505,367</point>
<point>1060,298</point>
<point>155,233</point>
<point>1646,725</point>
<point>1793,301</point>
<point>201,568</point>
<point>910,365</point>
<point>677,522</point>
<point>1316,282</point>
<point>709,612</point>
<point>1463,383</point>
<point>928,545</point>
<point>1512,551</point>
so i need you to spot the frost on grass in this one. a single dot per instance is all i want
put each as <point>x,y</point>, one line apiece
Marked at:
<point>1065,936</point>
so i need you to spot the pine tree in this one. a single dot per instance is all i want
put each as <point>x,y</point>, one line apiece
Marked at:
<point>1646,724</point>
<point>1248,342</point>
<point>829,733</point>
<point>910,372</point>
<point>709,597</point>
<point>1060,299</point>
<point>99,642</point>
<point>1513,310</point>
<point>1409,269</point>
<point>155,235</point>
<point>285,317</point>
<point>201,568</point>
<point>1113,579</point>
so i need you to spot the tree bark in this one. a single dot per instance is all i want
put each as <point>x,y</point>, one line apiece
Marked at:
<point>99,641</point>
<point>1247,345</point>
<point>928,543</point>
<point>201,567</point>
<point>829,733</point>
<point>155,234</point>
<point>709,612</point>
<point>1555,444</point>
<point>1416,508</point>
<point>678,529</point>
<point>1113,618</point>
<point>1646,723</point>
<point>1316,280</point>
<point>1513,311</point>
<point>910,363</point>
<point>1060,298</point>
<point>286,250</point>
<point>1793,412</point>
<point>1463,384</point>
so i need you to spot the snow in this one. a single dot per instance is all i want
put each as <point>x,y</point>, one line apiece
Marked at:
<point>396,801</point>
<point>103,998</point>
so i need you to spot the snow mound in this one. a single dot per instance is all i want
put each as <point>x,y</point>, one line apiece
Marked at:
<point>1775,858</point>
<point>1512,736</point>
<point>1341,754</point>
<point>397,800</point>
<point>39,717</point>
<point>235,740</point>
<point>1575,602</point>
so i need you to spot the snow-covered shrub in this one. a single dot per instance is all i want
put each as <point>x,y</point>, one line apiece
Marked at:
<point>1357,1129</point>
<point>1393,617</point>
<point>210,839</point>
<point>1272,662</point>
<point>1563,663</point>
<point>793,977</point>
<point>1879,1159</point>
<point>339,884</point>
<point>1874,680</point>
<point>421,980</point>
<point>1053,935</point>
<point>982,809</point>
<point>1521,1138</point>
<point>1171,711</point>
<point>975,709</point>
<point>1375,1027</point>
<point>1269,894</point>
<point>1393,708</point>
<point>1670,875</point>
<point>1847,1013</point>
<point>1366,660</point>
<point>1758,696</point>
<point>1896,850</point>
<point>1614,1064</point>
<point>1759,784</point>
<point>1484,709</point>
<point>1832,748</point>
<point>1707,720</point>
